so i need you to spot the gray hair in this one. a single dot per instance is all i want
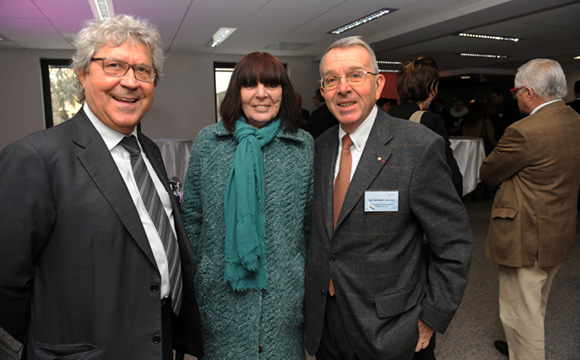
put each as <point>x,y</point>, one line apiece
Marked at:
<point>115,32</point>
<point>545,77</point>
<point>348,42</point>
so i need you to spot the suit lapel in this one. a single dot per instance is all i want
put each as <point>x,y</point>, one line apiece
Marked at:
<point>100,166</point>
<point>374,157</point>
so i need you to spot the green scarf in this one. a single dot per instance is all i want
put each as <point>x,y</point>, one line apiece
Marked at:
<point>245,250</point>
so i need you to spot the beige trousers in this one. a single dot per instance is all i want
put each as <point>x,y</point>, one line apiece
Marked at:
<point>523,296</point>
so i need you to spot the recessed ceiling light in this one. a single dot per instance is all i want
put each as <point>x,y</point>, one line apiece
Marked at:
<point>466,77</point>
<point>489,37</point>
<point>102,9</point>
<point>363,20</point>
<point>385,62</point>
<point>491,56</point>
<point>220,35</point>
<point>576,57</point>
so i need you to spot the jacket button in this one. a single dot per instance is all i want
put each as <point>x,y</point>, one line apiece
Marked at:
<point>154,288</point>
<point>156,339</point>
<point>332,258</point>
<point>260,349</point>
<point>323,291</point>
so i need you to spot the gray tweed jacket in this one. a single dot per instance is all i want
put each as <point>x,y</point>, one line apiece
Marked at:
<point>379,273</point>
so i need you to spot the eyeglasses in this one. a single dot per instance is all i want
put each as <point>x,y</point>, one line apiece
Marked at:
<point>355,77</point>
<point>119,68</point>
<point>516,89</point>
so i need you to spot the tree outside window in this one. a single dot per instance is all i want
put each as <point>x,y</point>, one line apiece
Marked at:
<point>59,85</point>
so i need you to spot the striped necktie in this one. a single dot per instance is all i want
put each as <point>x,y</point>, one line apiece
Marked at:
<point>157,213</point>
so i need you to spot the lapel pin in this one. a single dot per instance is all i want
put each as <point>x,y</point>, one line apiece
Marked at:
<point>381,159</point>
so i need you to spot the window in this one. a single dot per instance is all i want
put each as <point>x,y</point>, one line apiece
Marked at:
<point>58,87</point>
<point>222,74</point>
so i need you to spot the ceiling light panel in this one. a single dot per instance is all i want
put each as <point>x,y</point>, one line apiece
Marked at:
<point>489,37</point>
<point>490,56</point>
<point>370,17</point>
<point>221,35</point>
<point>386,62</point>
<point>102,9</point>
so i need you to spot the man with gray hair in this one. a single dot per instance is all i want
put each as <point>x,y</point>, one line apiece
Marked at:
<point>380,183</point>
<point>532,230</point>
<point>94,259</point>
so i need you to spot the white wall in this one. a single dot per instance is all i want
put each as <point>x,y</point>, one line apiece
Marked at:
<point>184,100</point>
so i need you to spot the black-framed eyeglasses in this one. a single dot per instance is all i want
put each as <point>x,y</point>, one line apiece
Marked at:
<point>516,89</point>
<point>355,77</point>
<point>119,68</point>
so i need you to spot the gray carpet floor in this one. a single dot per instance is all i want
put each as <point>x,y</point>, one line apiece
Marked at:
<point>476,324</point>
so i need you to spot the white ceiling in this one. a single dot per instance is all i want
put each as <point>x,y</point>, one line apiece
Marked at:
<point>548,28</point>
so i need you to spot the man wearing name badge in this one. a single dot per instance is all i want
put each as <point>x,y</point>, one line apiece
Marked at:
<point>380,182</point>
<point>94,258</point>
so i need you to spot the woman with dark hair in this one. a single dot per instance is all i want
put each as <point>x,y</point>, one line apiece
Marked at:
<point>246,208</point>
<point>417,84</point>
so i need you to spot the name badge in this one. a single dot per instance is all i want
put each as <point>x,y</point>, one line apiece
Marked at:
<point>381,201</point>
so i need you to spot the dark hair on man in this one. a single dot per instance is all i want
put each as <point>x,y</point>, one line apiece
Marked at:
<point>319,96</point>
<point>260,67</point>
<point>382,101</point>
<point>416,79</point>
<point>497,90</point>
<point>577,86</point>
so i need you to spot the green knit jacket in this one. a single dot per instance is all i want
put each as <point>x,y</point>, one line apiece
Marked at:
<point>257,324</point>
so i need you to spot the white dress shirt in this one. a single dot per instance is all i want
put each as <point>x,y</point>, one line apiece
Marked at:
<point>122,158</point>
<point>359,138</point>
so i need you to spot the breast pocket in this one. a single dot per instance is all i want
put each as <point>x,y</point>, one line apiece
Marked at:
<point>66,352</point>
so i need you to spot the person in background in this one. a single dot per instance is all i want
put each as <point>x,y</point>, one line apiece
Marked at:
<point>94,259</point>
<point>246,208</point>
<point>532,230</point>
<point>387,104</point>
<point>417,84</point>
<point>321,119</point>
<point>575,104</point>
<point>457,112</point>
<point>505,112</point>
<point>303,112</point>
<point>477,123</point>
<point>380,182</point>
<point>438,107</point>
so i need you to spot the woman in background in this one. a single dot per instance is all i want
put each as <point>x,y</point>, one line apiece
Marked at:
<point>417,83</point>
<point>478,123</point>
<point>246,208</point>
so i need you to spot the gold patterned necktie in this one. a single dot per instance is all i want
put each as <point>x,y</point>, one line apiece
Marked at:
<point>341,186</point>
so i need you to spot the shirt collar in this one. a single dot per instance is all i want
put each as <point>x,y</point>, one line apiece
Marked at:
<point>110,136</point>
<point>360,135</point>
<point>541,106</point>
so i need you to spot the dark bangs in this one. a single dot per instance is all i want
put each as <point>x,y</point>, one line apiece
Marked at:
<point>254,68</point>
<point>261,67</point>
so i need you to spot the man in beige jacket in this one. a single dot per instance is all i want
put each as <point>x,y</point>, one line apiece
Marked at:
<point>533,219</point>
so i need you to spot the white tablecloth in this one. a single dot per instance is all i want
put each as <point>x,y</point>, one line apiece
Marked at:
<point>175,154</point>
<point>469,153</point>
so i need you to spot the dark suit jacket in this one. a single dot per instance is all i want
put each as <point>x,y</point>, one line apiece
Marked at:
<point>77,274</point>
<point>537,163</point>
<point>375,257</point>
<point>321,120</point>
<point>575,104</point>
<point>436,123</point>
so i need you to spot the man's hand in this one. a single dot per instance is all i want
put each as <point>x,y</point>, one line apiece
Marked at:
<point>425,334</point>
